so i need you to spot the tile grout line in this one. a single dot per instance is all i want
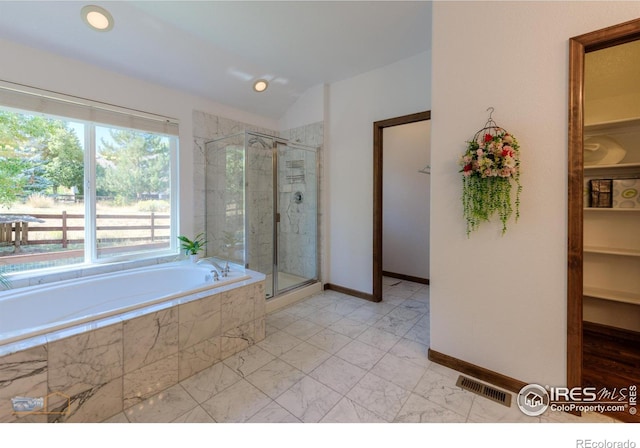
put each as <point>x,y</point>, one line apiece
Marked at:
<point>322,326</point>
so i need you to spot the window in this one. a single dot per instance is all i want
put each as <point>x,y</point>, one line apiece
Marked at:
<point>77,191</point>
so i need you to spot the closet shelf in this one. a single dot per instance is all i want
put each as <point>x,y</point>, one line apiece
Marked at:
<point>611,251</point>
<point>608,294</point>
<point>611,209</point>
<point>617,166</point>
<point>630,124</point>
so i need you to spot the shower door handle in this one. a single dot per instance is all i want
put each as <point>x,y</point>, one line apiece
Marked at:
<point>276,235</point>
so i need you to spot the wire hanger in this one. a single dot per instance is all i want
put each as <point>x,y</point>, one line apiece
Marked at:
<point>490,127</point>
<point>425,170</point>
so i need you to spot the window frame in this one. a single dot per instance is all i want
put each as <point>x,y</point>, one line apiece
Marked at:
<point>157,124</point>
<point>91,251</point>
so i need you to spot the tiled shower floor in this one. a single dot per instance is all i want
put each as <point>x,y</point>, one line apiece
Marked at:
<point>334,358</point>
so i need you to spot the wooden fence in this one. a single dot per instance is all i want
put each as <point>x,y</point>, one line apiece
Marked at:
<point>66,228</point>
<point>148,222</point>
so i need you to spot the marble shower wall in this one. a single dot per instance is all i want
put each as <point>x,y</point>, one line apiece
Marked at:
<point>297,201</point>
<point>234,190</point>
<point>260,204</point>
<point>300,234</point>
<point>217,202</point>
<point>207,127</point>
<point>225,186</point>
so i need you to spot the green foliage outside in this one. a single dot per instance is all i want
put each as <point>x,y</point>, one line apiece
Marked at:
<point>37,154</point>
<point>132,165</point>
<point>12,182</point>
<point>42,155</point>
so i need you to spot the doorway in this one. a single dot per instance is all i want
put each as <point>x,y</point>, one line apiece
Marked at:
<point>603,294</point>
<point>378,191</point>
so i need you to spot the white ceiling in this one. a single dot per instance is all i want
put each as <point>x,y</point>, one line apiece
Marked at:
<point>216,49</point>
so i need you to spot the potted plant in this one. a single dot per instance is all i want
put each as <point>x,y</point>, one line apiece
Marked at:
<point>193,247</point>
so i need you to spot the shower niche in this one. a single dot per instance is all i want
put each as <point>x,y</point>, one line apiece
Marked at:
<point>262,207</point>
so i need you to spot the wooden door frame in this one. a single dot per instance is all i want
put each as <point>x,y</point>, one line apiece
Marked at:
<point>578,46</point>
<point>378,128</point>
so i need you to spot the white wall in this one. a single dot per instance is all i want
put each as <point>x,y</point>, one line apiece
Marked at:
<point>47,71</point>
<point>500,301</point>
<point>354,104</point>
<point>309,108</point>
<point>405,198</point>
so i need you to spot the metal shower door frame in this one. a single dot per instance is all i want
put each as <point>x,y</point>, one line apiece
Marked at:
<point>277,141</point>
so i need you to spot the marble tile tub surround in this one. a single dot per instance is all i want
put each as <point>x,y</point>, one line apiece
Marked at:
<point>101,372</point>
<point>331,359</point>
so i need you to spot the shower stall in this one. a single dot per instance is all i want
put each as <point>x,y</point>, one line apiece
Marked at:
<point>262,207</point>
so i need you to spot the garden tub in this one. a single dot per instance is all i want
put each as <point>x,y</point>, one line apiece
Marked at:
<point>92,347</point>
<point>37,310</point>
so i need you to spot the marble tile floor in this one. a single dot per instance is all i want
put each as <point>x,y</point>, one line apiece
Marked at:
<point>339,359</point>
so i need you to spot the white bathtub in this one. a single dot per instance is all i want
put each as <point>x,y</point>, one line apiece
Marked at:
<point>38,310</point>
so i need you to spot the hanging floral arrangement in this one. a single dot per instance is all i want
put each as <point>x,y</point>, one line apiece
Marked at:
<point>490,168</point>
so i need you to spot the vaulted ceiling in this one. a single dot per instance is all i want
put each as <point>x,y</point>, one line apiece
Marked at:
<point>216,49</point>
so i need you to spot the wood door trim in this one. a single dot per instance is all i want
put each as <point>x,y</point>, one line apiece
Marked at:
<point>575,198</point>
<point>578,46</point>
<point>378,128</point>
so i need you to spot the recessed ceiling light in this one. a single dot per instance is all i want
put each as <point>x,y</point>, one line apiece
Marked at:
<point>260,85</point>
<point>97,18</point>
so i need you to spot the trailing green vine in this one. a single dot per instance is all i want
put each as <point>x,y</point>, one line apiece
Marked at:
<point>490,163</point>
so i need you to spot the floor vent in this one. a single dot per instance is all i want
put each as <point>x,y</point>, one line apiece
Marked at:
<point>483,390</point>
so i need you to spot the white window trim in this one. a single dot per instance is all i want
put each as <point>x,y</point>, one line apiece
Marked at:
<point>28,99</point>
<point>47,102</point>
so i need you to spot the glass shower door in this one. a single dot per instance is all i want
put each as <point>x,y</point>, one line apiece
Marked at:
<point>297,217</point>
<point>224,198</point>
<point>260,208</point>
